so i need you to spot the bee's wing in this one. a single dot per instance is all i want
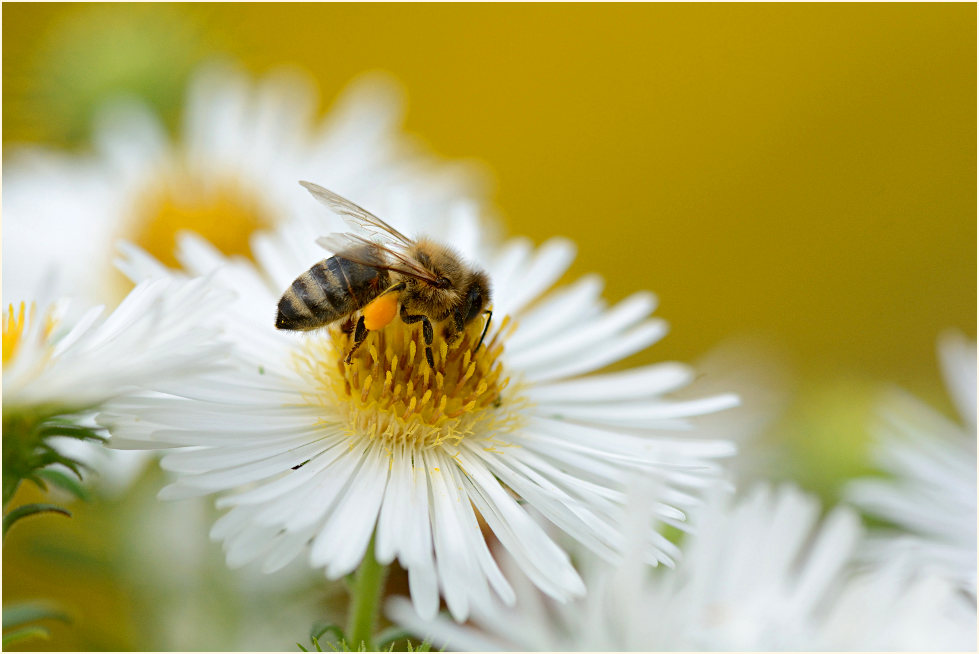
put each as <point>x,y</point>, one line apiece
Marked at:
<point>356,216</point>
<point>377,255</point>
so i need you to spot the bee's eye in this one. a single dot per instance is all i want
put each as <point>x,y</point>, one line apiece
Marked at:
<point>443,282</point>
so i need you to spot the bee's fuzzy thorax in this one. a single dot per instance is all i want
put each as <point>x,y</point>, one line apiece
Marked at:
<point>443,262</point>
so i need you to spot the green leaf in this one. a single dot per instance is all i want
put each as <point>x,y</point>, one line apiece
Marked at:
<point>20,614</point>
<point>301,647</point>
<point>33,631</point>
<point>29,510</point>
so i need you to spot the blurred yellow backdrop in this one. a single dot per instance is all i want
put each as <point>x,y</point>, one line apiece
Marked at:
<point>806,172</point>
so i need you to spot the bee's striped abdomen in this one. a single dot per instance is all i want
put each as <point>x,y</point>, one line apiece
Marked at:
<point>327,292</point>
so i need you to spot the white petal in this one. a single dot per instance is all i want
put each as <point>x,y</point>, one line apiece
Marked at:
<point>558,310</point>
<point>454,560</point>
<point>352,522</point>
<point>548,264</point>
<point>602,354</point>
<point>296,479</point>
<point>958,359</point>
<point>588,333</point>
<point>636,383</point>
<point>392,523</point>
<point>539,557</point>
<point>423,585</point>
<point>343,540</point>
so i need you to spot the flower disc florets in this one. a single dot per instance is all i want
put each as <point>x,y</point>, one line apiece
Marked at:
<point>389,392</point>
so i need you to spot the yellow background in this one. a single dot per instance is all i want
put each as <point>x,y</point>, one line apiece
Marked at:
<point>806,173</point>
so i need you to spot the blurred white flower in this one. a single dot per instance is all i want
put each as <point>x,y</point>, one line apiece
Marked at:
<point>760,575</point>
<point>165,554</point>
<point>932,492</point>
<point>57,370</point>
<point>162,331</point>
<point>759,371</point>
<point>242,146</point>
<point>316,452</point>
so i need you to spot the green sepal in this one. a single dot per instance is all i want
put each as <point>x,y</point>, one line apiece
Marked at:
<point>25,633</point>
<point>50,456</point>
<point>320,628</point>
<point>29,510</point>
<point>337,643</point>
<point>27,450</point>
<point>390,636</point>
<point>64,482</point>
<point>20,614</point>
<point>62,427</point>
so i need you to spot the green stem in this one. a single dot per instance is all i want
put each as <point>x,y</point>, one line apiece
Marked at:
<point>10,485</point>
<point>365,595</point>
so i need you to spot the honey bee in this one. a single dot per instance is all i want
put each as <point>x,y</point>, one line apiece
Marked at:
<point>374,271</point>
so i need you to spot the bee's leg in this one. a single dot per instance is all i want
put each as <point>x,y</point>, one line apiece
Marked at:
<point>347,327</point>
<point>485,327</point>
<point>427,332</point>
<point>453,331</point>
<point>359,336</point>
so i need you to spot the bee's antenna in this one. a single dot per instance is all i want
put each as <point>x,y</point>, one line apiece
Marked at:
<point>485,328</point>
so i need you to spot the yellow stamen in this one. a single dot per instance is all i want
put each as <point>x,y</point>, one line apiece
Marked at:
<point>13,330</point>
<point>411,407</point>
<point>17,328</point>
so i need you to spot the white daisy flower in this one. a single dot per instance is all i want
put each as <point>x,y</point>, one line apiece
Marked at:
<point>162,330</point>
<point>761,575</point>
<point>311,452</point>
<point>232,170</point>
<point>932,495</point>
<point>54,371</point>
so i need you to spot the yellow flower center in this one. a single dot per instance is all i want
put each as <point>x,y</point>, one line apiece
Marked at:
<point>223,211</point>
<point>13,330</point>
<point>17,322</point>
<point>389,392</point>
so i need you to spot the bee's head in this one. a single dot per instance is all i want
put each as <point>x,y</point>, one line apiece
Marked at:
<point>477,295</point>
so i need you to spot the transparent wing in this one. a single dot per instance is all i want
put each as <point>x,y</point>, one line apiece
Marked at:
<point>371,253</point>
<point>357,217</point>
